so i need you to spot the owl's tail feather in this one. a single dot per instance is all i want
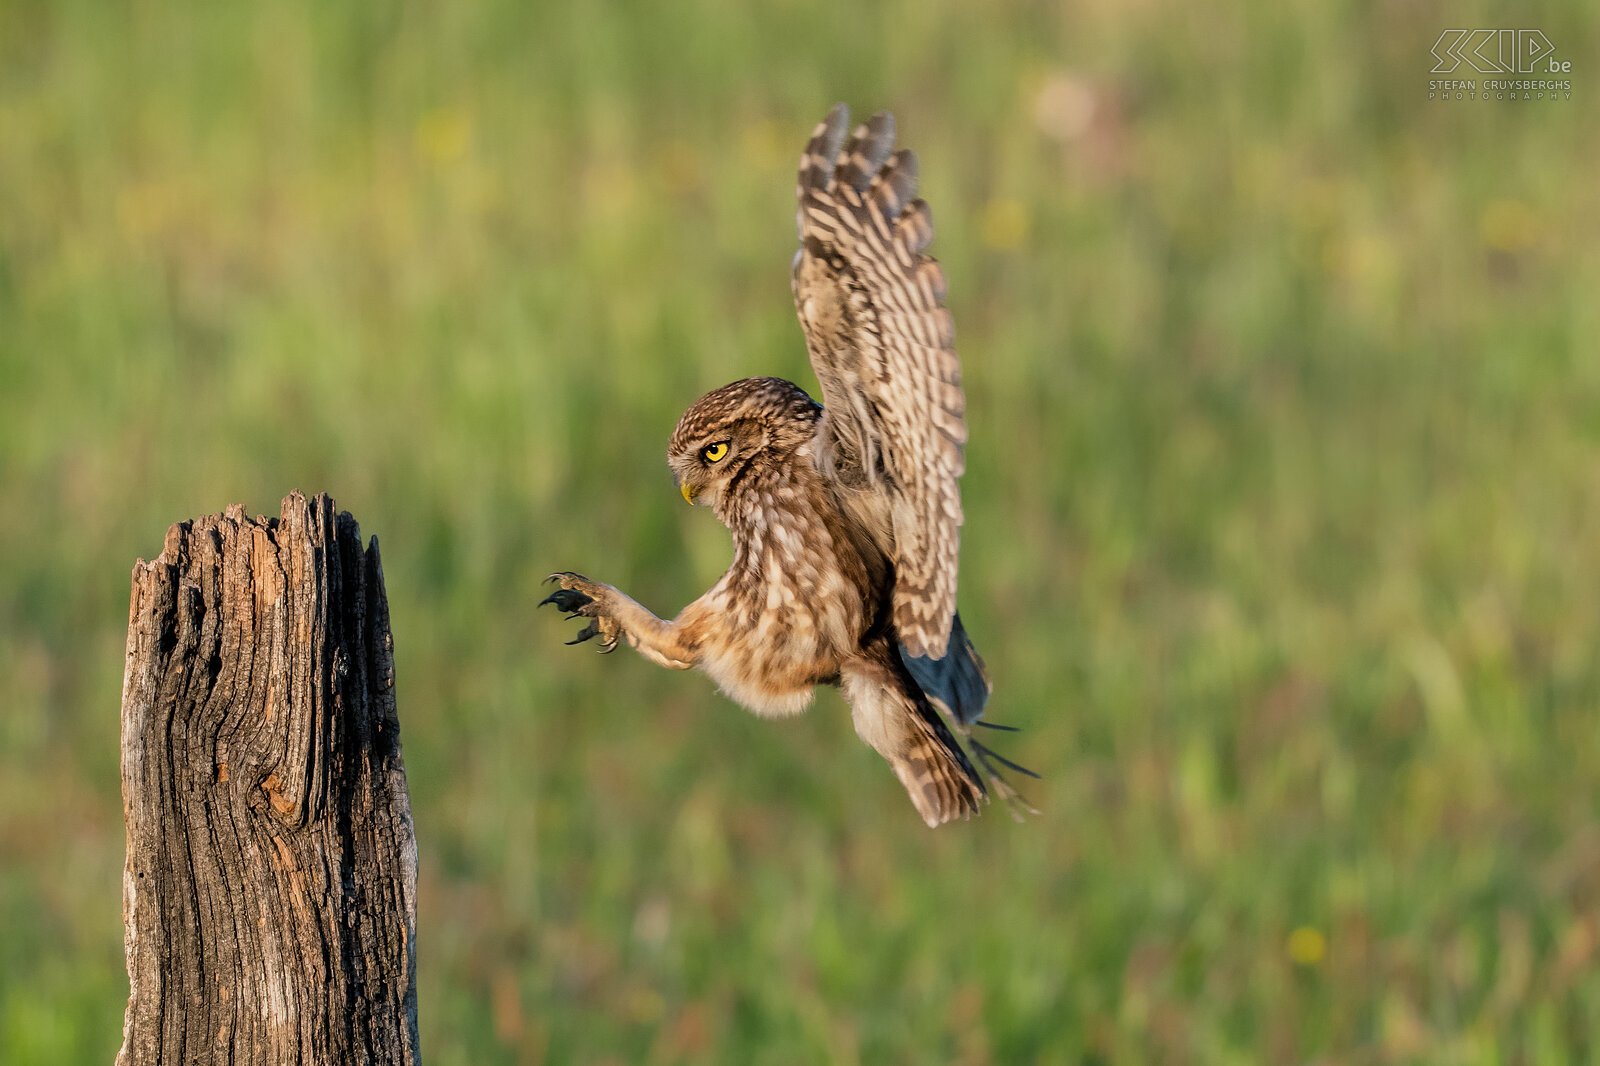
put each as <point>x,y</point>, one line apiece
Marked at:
<point>941,781</point>
<point>959,682</point>
<point>959,685</point>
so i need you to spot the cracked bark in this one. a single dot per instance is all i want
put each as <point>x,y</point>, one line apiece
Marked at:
<point>269,896</point>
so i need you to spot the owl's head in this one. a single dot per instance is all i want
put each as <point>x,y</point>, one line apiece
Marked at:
<point>755,420</point>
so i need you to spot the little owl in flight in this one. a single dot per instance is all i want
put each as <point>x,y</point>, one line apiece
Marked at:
<point>845,517</point>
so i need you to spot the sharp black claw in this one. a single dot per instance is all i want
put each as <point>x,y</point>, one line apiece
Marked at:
<point>568,600</point>
<point>1001,728</point>
<point>588,632</point>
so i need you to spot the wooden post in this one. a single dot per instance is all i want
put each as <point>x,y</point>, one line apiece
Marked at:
<point>269,897</point>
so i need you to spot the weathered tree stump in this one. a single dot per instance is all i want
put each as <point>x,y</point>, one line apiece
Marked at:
<point>269,896</point>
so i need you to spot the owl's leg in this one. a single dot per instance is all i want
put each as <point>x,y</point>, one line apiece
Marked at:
<point>615,617</point>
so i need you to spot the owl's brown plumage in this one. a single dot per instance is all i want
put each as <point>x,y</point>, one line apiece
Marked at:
<point>882,344</point>
<point>845,517</point>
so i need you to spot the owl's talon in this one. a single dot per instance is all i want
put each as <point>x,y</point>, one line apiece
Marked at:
<point>573,600</point>
<point>568,601</point>
<point>601,627</point>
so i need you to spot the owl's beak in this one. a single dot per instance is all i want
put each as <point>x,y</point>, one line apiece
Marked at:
<point>689,492</point>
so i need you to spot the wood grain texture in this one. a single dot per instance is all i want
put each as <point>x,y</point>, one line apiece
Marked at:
<point>269,896</point>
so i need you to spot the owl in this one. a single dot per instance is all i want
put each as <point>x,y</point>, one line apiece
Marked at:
<point>845,516</point>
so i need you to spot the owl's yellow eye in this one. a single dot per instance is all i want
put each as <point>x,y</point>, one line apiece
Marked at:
<point>715,453</point>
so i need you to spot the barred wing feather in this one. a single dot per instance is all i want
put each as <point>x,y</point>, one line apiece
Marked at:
<point>871,304</point>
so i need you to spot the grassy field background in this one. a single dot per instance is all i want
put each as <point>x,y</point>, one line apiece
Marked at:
<point>1283,503</point>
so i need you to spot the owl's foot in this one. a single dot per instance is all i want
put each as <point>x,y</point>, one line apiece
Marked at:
<point>578,597</point>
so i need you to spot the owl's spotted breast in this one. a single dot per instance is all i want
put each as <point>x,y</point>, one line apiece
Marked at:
<point>798,597</point>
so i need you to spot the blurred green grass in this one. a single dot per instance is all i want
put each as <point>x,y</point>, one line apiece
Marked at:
<point>1282,510</point>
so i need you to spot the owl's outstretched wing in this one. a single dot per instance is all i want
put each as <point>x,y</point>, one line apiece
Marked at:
<point>882,344</point>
